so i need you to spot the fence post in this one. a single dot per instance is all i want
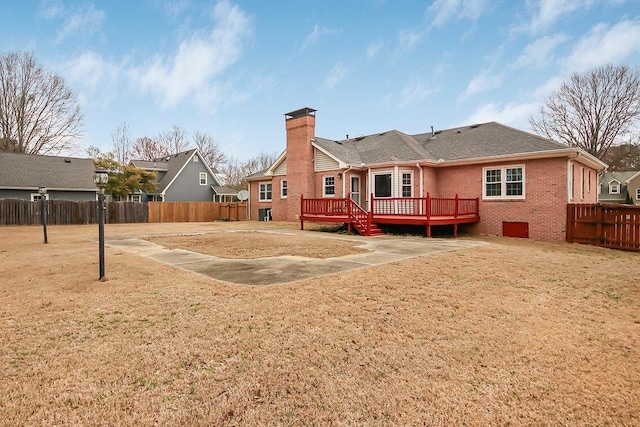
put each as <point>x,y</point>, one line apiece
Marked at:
<point>570,222</point>
<point>599,230</point>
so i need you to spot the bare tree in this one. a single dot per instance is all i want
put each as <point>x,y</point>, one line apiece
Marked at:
<point>173,140</point>
<point>122,143</point>
<point>209,149</point>
<point>38,112</point>
<point>145,148</point>
<point>593,110</point>
<point>623,157</point>
<point>236,171</point>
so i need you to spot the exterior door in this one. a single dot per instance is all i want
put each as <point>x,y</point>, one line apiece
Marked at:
<point>355,189</point>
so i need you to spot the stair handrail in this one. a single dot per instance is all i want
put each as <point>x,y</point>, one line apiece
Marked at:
<point>356,213</point>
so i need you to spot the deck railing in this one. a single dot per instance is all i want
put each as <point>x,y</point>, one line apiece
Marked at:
<point>324,206</point>
<point>424,206</point>
<point>428,207</point>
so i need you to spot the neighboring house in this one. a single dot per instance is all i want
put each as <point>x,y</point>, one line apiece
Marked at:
<point>65,178</point>
<point>614,187</point>
<point>516,177</point>
<point>182,177</point>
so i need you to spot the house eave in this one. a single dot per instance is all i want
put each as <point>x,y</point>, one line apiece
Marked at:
<point>32,188</point>
<point>573,154</point>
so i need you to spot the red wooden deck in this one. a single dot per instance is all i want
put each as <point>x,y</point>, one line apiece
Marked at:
<point>427,211</point>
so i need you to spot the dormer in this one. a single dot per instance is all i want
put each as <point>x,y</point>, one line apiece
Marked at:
<point>614,186</point>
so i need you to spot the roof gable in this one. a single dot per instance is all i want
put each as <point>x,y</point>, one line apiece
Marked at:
<point>172,166</point>
<point>53,172</point>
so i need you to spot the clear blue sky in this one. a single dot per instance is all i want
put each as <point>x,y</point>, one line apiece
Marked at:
<point>233,68</point>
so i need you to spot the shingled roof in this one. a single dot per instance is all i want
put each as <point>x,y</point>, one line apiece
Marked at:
<point>460,143</point>
<point>30,171</point>
<point>171,166</point>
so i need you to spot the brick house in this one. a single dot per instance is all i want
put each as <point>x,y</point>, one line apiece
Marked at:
<point>519,181</point>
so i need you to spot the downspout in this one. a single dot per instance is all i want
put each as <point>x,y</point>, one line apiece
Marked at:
<point>344,181</point>
<point>249,201</point>
<point>421,180</point>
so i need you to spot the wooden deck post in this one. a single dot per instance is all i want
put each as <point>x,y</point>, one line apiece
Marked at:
<point>301,212</point>
<point>429,209</point>
<point>455,212</point>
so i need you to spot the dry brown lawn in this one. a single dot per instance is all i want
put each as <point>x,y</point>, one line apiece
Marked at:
<point>514,333</point>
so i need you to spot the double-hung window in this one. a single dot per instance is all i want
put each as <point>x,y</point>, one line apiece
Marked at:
<point>283,189</point>
<point>203,178</point>
<point>329,186</point>
<point>506,182</point>
<point>265,192</point>
<point>407,188</point>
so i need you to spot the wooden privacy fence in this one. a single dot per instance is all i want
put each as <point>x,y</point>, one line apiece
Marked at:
<point>65,212</point>
<point>606,225</point>
<point>196,211</point>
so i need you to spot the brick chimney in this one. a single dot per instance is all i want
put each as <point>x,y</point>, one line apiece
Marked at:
<point>300,125</point>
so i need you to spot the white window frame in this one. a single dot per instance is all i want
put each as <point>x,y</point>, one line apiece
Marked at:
<point>325,185</point>
<point>135,198</point>
<point>581,183</point>
<point>373,183</point>
<point>35,197</point>
<point>403,185</point>
<point>503,183</point>
<point>637,196</point>
<point>201,176</point>
<point>612,186</point>
<point>262,193</point>
<point>284,189</point>
<point>195,159</point>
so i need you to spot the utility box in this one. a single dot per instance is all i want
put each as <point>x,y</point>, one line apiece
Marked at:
<point>515,229</point>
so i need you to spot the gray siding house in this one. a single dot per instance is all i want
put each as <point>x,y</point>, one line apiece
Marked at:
<point>615,186</point>
<point>65,178</point>
<point>182,177</point>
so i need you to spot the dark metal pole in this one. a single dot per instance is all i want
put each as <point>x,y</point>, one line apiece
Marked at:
<point>101,231</point>
<point>43,216</point>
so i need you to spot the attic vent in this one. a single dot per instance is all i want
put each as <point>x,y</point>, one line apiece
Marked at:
<point>359,137</point>
<point>437,132</point>
<point>458,131</point>
<point>473,126</point>
<point>67,160</point>
<point>382,133</point>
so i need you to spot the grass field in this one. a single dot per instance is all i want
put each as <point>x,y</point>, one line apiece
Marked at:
<point>515,332</point>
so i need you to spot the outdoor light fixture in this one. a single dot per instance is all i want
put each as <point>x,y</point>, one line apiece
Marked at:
<point>101,177</point>
<point>43,211</point>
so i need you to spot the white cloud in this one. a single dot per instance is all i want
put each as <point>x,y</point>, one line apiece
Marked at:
<point>549,11</point>
<point>480,83</point>
<point>407,39</point>
<point>191,71</point>
<point>314,37</point>
<point>373,50</point>
<point>50,9</point>
<point>538,53</point>
<point>444,11</point>
<point>336,75</point>
<point>93,78</point>
<point>512,114</point>
<point>547,88</point>
<point>86,21</point>
<point>604,44</point>
<point>416,91</point>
